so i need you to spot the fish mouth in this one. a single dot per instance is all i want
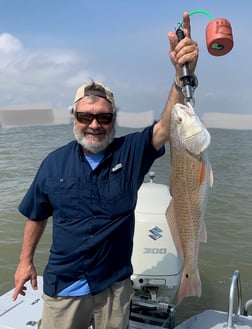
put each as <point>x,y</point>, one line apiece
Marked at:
<point>196,133</point>
<point>198,142</point>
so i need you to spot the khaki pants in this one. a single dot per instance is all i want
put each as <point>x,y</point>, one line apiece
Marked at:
<point>109,309</point>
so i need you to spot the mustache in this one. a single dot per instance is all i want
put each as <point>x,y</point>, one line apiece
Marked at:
<point>94,131</point>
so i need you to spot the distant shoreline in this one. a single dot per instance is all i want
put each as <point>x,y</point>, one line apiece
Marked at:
<point>44,114</point>
<point>227,120</point>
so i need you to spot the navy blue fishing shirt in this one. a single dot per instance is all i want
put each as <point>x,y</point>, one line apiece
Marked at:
<point>92,210</point>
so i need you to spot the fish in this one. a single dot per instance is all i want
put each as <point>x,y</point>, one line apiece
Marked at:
<point>190,180</point>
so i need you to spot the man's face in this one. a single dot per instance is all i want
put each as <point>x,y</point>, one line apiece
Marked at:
<point>94,134</point>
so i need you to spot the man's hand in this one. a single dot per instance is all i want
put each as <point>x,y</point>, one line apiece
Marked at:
<point>184,51</point>
<point>24,273</point>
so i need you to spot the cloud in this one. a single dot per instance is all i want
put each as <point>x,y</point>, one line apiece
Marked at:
<point>9,44</point>
<point>28,76</point>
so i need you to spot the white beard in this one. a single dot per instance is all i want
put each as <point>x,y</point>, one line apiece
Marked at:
<point>94,148</point>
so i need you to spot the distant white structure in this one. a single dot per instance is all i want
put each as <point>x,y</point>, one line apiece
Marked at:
<point>227,120</point>
<point>26,115</point>
<point>134,120</point>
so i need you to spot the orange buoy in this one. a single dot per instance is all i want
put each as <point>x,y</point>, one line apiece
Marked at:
<point>219,38</point>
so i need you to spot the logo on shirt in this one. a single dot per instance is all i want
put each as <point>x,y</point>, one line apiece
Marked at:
<point>117,167</point>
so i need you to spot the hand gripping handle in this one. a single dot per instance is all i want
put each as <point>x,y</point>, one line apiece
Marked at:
<point>186,77</point>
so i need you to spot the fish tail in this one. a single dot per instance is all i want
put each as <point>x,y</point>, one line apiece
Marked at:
<point>190,285</point>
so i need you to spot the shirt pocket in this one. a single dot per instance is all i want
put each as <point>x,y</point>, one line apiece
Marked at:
<point>116,195</point>
<point>64,195</point>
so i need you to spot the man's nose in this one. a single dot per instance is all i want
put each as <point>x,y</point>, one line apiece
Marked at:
<point>94,123</point>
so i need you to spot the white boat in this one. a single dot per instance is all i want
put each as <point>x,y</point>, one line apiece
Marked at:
<point>26,312</point>
<point>214,319</point>
<point>156,278</point>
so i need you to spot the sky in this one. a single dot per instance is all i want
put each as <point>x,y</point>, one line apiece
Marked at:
<point>49,48</point>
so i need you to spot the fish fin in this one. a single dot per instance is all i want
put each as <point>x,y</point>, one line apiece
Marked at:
<point>171,183</point>
<point>190,285</point>
<point>203,233</point>
<point>202,171</point>
<point>211,178</point>
<point>172,223</point>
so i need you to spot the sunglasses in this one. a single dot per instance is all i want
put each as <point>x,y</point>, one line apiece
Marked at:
<point>87,118</point>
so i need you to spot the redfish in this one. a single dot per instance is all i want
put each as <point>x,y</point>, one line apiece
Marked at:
<point>190,179</point>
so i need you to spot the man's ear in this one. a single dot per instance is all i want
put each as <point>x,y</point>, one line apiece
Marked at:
<point>71,111</point>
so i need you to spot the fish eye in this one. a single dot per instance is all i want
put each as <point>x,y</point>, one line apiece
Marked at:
<point>179,120</point>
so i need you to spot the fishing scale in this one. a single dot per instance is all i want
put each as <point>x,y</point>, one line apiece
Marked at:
<point>219,42</point>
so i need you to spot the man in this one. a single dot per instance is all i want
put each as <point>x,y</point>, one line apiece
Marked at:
<point>89,187</point>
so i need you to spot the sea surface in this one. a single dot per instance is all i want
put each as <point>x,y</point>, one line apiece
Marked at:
<point>228,217</point>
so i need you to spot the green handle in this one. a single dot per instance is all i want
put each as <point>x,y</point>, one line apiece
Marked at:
<point>199,12</point>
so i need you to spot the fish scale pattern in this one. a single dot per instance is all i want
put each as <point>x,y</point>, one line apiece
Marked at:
<point>190,179</point>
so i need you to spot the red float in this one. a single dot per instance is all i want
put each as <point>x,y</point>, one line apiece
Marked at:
<point>219,38</point>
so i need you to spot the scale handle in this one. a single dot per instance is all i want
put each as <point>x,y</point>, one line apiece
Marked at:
<point>186,78</point>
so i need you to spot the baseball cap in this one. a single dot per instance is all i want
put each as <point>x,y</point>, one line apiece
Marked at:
<point>94,88</point>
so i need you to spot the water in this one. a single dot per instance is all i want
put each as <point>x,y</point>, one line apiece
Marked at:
<point>228,216</point>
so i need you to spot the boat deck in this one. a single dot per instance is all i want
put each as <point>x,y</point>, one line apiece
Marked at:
<point>26,311</point>
<point>211,319</point>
